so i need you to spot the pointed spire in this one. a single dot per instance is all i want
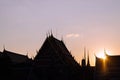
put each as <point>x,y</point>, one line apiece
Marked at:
<point>85,53</point>
<point>88,62</point>
<point>84,58</point>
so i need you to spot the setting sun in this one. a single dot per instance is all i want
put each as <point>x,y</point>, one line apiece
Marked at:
<point>101,55</point>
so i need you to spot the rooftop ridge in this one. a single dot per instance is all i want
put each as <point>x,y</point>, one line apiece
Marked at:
<point>13,53</point>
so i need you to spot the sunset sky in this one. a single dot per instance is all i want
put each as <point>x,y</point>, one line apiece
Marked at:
<point>94,24</point>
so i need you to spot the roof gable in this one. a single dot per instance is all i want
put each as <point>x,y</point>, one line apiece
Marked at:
<point>55,50</point>
<point>15,57</point>
<point>53,45</point>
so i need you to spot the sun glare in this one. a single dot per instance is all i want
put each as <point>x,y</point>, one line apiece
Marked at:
<point>101,55</point>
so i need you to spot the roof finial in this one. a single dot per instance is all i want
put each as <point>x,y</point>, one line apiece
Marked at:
<point>104,50</point>
<point>95,55</point>
<point>37,51</point>
<point>51,33</point>
<point>3,47</point>
<point>105,53</point>
<point>47,34</point>
<point>27,54</point>
<point>33,57</point>
<point>62,38</point>
<point>56,35</point>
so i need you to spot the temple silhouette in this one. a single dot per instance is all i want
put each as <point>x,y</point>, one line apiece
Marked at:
<point>54,62</point>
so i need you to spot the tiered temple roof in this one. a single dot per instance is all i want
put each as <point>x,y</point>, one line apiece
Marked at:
<point>54,61</point>
<point>56,49</point>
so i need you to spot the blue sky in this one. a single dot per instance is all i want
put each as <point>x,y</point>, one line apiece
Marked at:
<point>91,23</point>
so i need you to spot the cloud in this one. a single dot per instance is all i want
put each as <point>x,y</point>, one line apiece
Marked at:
<point>72,35</point>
